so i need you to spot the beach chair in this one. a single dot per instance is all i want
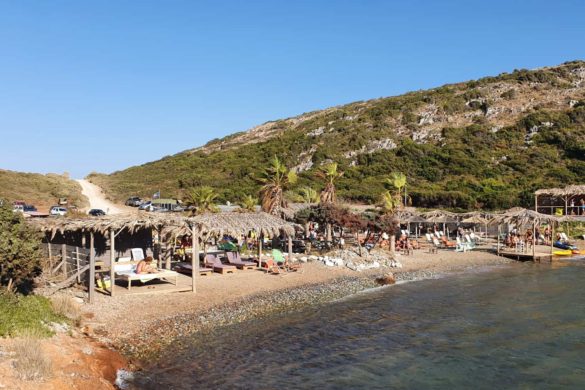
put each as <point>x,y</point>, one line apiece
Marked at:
<point>211,261</point>
<point>460,245</point>
<point>447,243</point>
<point>470,243</point>
<point>127,271</point>
<point>282,262</point>
<point>185,268</point>
<point>137,254</point>
<point>235,260</point>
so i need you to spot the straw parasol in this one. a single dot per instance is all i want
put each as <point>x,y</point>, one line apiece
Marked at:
<point>524,217</point>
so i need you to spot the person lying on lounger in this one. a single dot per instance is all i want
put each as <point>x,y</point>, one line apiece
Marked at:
<point>145,266</point>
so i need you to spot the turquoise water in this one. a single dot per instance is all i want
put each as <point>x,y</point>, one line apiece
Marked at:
<point>520,327</point>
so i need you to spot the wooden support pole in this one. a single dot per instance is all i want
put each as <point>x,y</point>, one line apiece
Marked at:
<point>290,249</point>
<point>536,203</point>
<point>498,245</point>
<point>194,259</point>
<point>533,240</point>
<point>260,251</point>
<point>77,264</point>
<point>50,258</point>
<point>91,287</point>
<point>83,239</point>
<point>64,258</point>
<point>112,261</point>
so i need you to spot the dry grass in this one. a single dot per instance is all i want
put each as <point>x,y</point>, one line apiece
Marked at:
<point>64,306</point>
<point>31,363</point>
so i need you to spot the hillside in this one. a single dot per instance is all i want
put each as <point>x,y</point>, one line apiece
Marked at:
<point>42,191</point>
<point>487,143</point>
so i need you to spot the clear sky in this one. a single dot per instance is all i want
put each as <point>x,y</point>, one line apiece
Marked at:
<point>103,85</point>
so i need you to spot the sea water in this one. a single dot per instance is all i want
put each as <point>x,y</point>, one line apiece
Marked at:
<point>519,327</point>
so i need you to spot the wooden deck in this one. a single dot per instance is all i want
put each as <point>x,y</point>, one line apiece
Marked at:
<point>541,253</point>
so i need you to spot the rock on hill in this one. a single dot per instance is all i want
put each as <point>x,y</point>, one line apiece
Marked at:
<point>43,191</point>
<point>486,143</point>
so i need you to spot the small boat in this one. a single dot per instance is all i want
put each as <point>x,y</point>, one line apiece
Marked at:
<point>576,252</point>
<point>565,252</point>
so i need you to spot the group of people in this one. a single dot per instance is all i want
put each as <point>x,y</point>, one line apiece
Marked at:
<point>515,238</point>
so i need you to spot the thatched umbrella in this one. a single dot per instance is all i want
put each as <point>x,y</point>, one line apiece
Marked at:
<point>477,219</point>
<point>523,217</point>
<point>441,216</point>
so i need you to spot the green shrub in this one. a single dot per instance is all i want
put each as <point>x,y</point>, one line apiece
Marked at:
<point>20,257</point>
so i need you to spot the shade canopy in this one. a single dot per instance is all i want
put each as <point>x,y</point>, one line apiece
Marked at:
<point>524,217</point>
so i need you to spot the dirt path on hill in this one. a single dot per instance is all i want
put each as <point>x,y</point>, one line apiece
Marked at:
<point>97,199</point>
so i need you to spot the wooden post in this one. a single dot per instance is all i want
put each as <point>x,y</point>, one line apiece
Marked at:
<point>83,239</point>
<point>290,247</point>
<point>91,269</point>
<point>536,203</point>
<point>50,258</point>
<point>77,264</point>
<point>533,240</point>
<point>552,237</point>
<point>498,245</point>
<point>64,258</point>
<point>260,251</point>
<point>194,258</point>
<point>566,205</point>
<point>112,261</point>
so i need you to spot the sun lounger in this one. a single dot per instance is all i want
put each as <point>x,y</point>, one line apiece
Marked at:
<point>447,243</point>
<point>185,268</point>
<point>212,261</point>
<point>469,241</point>
<point>235,260</point>
<point>127,271</point>
<point>137,254</point>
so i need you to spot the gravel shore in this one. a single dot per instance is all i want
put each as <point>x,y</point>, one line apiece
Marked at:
<point>158,334</point>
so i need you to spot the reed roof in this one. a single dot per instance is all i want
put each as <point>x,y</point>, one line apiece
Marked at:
<point>233,223</point>
<point>524,217</point>
<point>570,190</point>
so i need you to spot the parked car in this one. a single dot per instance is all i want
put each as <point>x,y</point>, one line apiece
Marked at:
<point>29,208</point>
<point>18,208</point>
<point>178,208</point>
<point>96,212</point>
<point>145,206</point>
<point>58,210</point>
<point>133,201</point>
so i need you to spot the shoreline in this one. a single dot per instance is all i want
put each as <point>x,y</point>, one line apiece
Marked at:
<point>160,334</point>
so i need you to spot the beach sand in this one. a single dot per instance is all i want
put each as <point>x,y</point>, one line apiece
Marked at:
<point>129,322</point>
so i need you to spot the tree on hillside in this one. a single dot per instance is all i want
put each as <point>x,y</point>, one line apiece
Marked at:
<point>20,257</point>
<point>309,195</point>
<point>329,174</point>
<point>202,199</point>
<point>248,203</point>
<point>275,179</point>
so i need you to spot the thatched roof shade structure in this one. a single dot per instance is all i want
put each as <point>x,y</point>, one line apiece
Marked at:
<point>547,198</point>
<point>524,217</point>
<point>440,216</point>
<point>132,222</point>
<point>235,224</point>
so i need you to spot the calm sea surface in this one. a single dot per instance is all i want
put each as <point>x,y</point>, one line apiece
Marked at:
<point>521,327</point>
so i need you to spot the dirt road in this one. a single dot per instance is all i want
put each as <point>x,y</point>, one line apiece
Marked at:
<point>97,199</point>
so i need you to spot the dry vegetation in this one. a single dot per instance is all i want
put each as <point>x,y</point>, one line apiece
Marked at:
<point>42,191</point>
<point>31,363</point>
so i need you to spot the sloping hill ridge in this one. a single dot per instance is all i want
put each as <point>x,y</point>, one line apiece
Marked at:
<point>479,144</point>
<point>42,191</point>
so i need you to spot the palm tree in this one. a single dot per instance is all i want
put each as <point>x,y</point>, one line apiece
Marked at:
<point>275,179</point>
<point>202,199</point>
<point>248,203</point>
<point>329,174</point>
<point>398,181</point>
<point>390,202</point>
<point>309,195</point>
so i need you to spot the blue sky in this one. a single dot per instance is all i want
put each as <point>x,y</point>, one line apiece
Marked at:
<point>103,85</point>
